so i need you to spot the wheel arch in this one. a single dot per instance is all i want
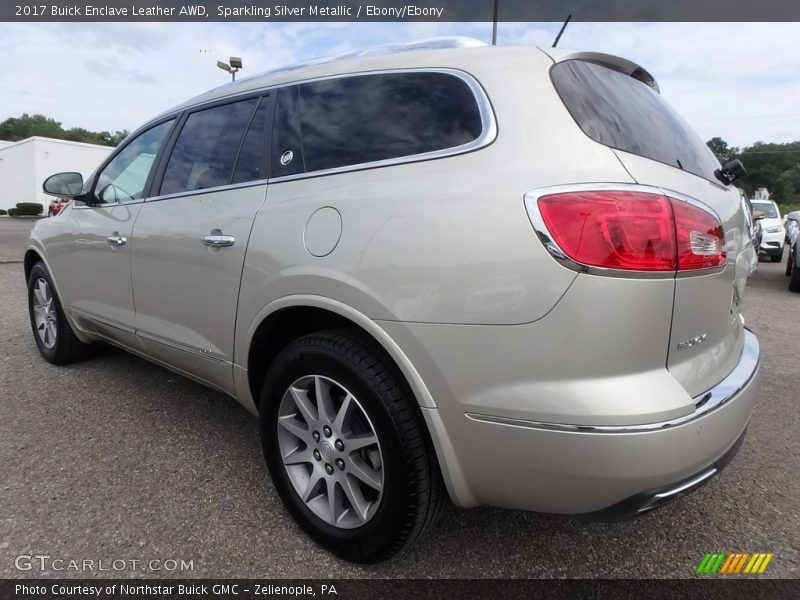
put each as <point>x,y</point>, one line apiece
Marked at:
<point>34,255</point>
<point>291,317</point>
<point>288,318</point>
<point>31,258</point>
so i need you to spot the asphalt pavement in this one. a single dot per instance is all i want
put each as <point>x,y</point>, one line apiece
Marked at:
<point>118,459</point>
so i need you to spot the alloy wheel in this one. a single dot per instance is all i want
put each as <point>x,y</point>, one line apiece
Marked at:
<point>330,451</point>
<point>44,313</point>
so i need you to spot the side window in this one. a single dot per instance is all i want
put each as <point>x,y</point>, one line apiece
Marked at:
<point>251,161</point>
<point>287,151</point>
<point>206,148</point>
<point>124,178</point>
<point>365,118</point>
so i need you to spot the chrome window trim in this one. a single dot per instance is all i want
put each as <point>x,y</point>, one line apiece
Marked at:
<point>531,200</point>
<point>487,136</point>
<point>715,398</point>
<point>219,188</point>
<point>80,205</point>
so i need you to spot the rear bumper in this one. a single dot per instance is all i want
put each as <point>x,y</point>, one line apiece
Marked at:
<point>648,500</point>
<point>607,471</point>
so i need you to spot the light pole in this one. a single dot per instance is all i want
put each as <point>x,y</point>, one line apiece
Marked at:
<point>232,68</point>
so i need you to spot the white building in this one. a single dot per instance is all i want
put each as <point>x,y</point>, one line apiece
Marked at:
<point>26,164</point>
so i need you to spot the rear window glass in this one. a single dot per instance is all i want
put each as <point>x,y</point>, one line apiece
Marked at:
<point>615,109</point>
<point>206,148</point>
<point>360,119</point>
<point>287,151</point>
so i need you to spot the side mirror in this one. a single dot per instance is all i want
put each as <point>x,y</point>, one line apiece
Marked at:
<point>65,185</point>
<point>732,171</point>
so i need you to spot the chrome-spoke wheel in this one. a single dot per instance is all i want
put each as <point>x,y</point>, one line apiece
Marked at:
<point>330,451</point>
<point>44,313</point>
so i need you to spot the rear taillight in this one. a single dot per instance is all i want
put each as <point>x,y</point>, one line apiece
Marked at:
<point>701,242</point>
<point>632,230</point>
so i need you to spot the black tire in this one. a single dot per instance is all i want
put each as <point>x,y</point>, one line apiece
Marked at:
<point>789,262</point>
<point>67,348</point>
<point>776,257</point>
<point>413,494</point>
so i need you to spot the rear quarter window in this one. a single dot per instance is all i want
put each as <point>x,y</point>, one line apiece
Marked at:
<point>619,111</point>
<point>366,118</point>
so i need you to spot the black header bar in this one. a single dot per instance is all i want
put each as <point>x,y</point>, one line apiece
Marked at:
<point>398,10</point>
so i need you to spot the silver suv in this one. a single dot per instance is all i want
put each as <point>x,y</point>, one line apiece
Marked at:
<point>507,276</point>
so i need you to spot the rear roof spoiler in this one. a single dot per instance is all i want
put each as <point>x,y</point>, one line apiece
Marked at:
<point>617,63</point>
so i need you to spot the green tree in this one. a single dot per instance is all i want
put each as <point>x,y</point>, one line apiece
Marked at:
<point>15,129</point>
<point>773,166</point>
<point>19,128</point>
<point>721,150</point>
<point>787,186</point>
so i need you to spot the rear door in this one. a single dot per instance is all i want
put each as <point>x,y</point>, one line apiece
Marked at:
<point>618,104</point>
<point>190,238</point>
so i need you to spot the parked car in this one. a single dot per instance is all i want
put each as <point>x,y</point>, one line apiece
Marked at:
<point>791,223</point>
<point>56,206</point>
<point>507,276</point>
<point>793,260</point>
<point>773,234</point>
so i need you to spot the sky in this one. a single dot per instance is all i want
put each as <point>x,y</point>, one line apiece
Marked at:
<point>738,81</point>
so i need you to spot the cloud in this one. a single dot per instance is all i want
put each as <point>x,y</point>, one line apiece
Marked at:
<point>735,80</point>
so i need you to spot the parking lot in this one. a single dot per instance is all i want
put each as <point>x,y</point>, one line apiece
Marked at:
<point>116,458</point>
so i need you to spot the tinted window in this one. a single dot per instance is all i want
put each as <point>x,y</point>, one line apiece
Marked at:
<point>124,178</point>
<point>206,148</point>
<point>617,110</point>
<point>287,152</point>
<point>360,119</point>
<point>251,161</point>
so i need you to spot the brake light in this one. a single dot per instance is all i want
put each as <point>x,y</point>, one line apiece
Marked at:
<point>701,242</point>
<point>633,230</point>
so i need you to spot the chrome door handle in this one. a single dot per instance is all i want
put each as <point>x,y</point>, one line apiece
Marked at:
<point>117,240</point>
<point>218,241</point>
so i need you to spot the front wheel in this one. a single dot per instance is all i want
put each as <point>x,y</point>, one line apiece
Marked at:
<point>54,337</point>
<point>346,447</point>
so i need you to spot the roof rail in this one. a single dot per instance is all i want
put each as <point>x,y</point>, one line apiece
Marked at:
<point>434,43</point>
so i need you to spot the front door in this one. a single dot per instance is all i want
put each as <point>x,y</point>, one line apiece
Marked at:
<point>97,234</point>
<point>190,239</point>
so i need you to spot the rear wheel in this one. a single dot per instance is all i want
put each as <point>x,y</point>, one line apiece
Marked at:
<point>54,337</point>
<point>346,447</point>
